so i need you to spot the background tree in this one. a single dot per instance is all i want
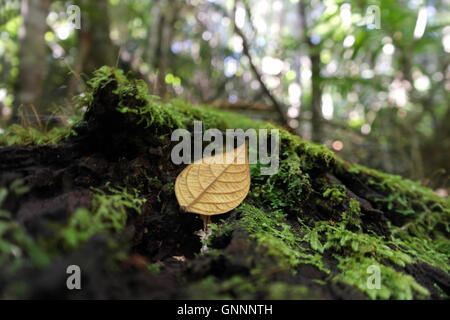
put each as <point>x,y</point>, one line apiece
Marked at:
<point>32,57</point>
<point>95,45</point>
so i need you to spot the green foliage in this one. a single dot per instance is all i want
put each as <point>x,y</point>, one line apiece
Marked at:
<point>394,285</point>
<point>335,194</point>
<point>15,244</point>
<point>356,251</point>
<point>154,268</point>
<point>285,189</point>
<point>425,212</point>
<point>274,236</point>
<point>19,135</point>
<point>150,111</point>
<point>271,233</point>
<point>237,286</point>
<point>107,214</point>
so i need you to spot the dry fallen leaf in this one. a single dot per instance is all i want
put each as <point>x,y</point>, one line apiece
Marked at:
<point>180,258</point>
<point>215,184</point>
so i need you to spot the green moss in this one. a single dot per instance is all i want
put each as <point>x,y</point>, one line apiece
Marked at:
<point>336,194</point>
<point>275,239</point>
<point>352,217</point>
<point>435,253</point>
<point>423,210</point>
<point>154,268</point>
<point>17,248</point>
<point>20,135</point>
<point>394,285</point>
<point>107,214</point>
<point>290,187</point>
<point>356,251</point>
<point>243,288</point>
<point>283,291</point>
<point>424,233</point>
<point>152,112</point>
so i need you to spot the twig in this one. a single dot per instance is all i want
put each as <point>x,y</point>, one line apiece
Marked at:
<point>38,120</point>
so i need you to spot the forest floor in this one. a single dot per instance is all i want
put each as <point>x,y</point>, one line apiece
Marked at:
<point>101,196</point>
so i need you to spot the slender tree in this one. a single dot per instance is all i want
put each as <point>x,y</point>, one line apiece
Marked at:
<point>316,96</point>
<point>168,15</point>
<point>32,56</point>
<point>97,48</point>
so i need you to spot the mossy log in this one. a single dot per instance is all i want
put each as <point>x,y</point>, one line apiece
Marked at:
<point>102,198</point>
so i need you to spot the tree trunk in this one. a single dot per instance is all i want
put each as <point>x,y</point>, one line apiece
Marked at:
<point>97,48</point>
<point>168,16</point>
<point>316,95</point>
<point>31,58</point>
<point>153,37</point>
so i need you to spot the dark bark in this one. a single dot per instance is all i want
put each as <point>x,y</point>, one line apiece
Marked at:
<point>316,111</point>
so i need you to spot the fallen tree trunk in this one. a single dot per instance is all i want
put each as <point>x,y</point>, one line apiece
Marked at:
<point>103,199</point>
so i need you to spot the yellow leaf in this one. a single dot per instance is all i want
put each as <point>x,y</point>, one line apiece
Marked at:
<point>215,184</point>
